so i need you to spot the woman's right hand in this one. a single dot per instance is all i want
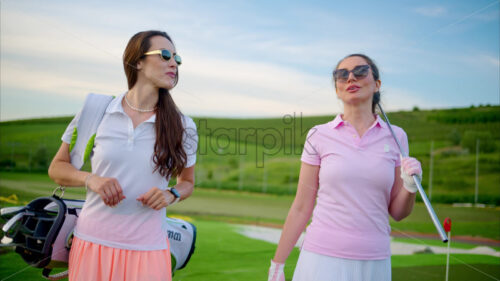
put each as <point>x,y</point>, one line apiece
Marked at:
<point>276,272</point>
<point>108,188</point>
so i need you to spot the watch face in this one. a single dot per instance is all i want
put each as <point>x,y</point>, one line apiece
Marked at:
<point>175,193</point>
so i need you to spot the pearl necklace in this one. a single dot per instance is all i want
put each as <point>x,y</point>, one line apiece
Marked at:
<point>136,108</point>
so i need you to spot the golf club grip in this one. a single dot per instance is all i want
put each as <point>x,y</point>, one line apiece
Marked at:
<point>6,227</point>
<point>430,210</point>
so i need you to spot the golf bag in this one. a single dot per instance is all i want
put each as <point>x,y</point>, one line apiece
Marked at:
<point>42,232</point>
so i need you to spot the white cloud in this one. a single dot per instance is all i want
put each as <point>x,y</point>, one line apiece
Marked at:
<point>494,61</point>
<point>487,16</point>
<point>480,61</point>
<point>394,98</point>
<point>235,64</point>
<point>208,86</point>
<point>241,88</point>
<point>229,104</point>
<point>43,36</point>
<point>431,11</point>
<point>69,83</point>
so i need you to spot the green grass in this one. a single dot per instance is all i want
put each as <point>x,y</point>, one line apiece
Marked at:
<point>222,254</point>
<point>473,271</point>
<point>433,242</point>
<point>233,147</point>
<point>228,255</point>
<point>474,222</point>
<point>268,208</point>
<point>29,186</point>
<point>259,208</point>
<point>433,259</point>
<point>262,155</point>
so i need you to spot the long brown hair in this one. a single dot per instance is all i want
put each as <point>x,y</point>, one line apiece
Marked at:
<point>375,74</point>
<point>169,155</point>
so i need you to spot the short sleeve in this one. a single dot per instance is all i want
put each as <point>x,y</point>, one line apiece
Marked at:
<point>403,140</point>
<point>68,133</point>
<point>190,140</point>
<point>310,154</point>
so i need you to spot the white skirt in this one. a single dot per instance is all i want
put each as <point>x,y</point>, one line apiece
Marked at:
<point>312,266</point>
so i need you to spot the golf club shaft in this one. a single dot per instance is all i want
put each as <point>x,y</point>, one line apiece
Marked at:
<point>427,203</point>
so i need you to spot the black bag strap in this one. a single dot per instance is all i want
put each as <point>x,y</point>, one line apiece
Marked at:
<point>57,276</point>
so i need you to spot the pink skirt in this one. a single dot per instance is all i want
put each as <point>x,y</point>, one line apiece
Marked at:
<point>90,261</point>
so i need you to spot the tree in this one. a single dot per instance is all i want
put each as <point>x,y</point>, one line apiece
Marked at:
<point>41,158</point>
<point>486,141</point>
<point>454,137</point>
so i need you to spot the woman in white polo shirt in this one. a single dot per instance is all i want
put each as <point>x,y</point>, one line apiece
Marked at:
<point>350,182</point>
<point>142,141</point>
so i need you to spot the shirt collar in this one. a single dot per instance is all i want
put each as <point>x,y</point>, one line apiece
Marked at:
<point>379,122</point>
<point>116,107</point>
<point>151,119</point>
<point>338,121</point>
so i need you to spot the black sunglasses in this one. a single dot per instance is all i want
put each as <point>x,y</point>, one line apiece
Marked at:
<point>359,72</point>
<point>166,55</point>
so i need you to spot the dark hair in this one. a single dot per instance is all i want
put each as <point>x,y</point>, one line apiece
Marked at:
<point>169,155</point>
<point>375,73</point>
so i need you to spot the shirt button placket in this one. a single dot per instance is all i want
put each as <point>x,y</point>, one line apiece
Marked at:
<point>130,142</point>
<point>355,138</point>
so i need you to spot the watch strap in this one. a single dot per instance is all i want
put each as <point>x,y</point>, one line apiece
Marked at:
<point>175,193</point>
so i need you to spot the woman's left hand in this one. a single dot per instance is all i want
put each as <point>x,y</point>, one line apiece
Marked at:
<point>156,198</point>
<point>409,167</point>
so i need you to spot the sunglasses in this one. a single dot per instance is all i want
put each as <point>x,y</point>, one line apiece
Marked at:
<point>166,55</point>
<point>359,72</point>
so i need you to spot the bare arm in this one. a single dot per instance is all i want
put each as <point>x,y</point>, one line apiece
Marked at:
<point>157,198</point>
<point>402,201</point>
<point>300,211</point>
<point>62,172</point>
<point>185,182</point>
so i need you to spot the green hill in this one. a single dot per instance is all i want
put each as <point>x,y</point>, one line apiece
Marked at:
<point>263,155</point>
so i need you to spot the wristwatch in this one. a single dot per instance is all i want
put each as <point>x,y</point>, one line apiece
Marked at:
<point>175,193</point>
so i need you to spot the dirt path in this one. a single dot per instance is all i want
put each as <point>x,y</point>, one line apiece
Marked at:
<point>272,235</point>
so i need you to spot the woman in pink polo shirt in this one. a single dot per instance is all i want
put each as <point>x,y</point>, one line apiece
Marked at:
<point>351,180</point>
<point>142,141</point>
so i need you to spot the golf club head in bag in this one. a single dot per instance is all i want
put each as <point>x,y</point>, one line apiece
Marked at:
<point>42,232</point>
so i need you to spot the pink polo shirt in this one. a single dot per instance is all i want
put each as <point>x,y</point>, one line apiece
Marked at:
<point>356,176</point>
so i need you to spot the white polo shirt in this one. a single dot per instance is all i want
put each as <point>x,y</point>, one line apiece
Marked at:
<point>125,153</point>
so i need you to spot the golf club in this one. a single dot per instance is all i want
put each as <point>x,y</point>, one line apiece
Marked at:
<point>6,227</point>
<point>427,203</point>
<point>10,211</point>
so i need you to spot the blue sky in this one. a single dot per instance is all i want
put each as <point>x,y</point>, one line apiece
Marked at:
<point>251,58</point>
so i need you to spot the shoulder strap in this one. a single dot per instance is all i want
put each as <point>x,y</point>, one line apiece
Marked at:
<point>82,140</point>
<point>57,276</point>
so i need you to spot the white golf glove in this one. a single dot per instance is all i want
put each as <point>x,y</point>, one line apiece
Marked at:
<point>409,167</point>
<point>276,272</point>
